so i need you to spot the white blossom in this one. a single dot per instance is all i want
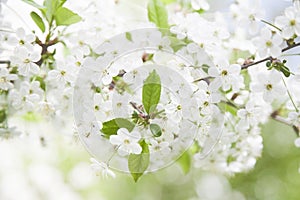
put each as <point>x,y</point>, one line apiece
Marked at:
<point>25,61</point>
<point>268,43</point>
<point>127,142</point>
<point>6,79</point>
<point>102,169</point>
<point>269,84</point>
<point>289,23</point>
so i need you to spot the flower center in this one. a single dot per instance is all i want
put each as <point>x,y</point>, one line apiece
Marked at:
<point>224,73</point>
<point>179,107</point>
<point>268,43</point>
<point>126,141</point>
<point>21,42</point>
<point>97,108</point>
<point>2,80</point>
<point>62,73</point>
<point>78,63</point>
<point>26,61</point>
<point>293,22</point>
<point>269,86</point>
<point>205,103</point>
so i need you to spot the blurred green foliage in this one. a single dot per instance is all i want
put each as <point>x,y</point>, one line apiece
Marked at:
<point>275,176</point>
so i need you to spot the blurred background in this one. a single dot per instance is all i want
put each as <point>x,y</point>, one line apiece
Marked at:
<point>59,168</point>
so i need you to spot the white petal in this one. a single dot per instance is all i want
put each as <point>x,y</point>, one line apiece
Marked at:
<point>275,51</point>
<point>20,33</point>
<point>34,68</point>
<point>287,32</point>
<point>281,21</point>
<point>135,148</point>
<point>297,142</point>
<point>115,140</point>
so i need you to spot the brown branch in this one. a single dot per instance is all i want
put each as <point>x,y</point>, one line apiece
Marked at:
<point>45,48</point>
<point>245,66</point>
<point>290,47</point>
<point>275,116</point>
<point>5,62</point>
<point>270,58</point>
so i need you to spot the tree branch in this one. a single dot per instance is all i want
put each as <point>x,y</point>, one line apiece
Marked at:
<point>5,62</point>
<point>275,116</point>
<point>290,47</point>
<point>270,58</point>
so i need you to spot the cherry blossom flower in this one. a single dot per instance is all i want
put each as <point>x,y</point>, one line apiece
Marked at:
<point>25,61</point>
<point>226,76</point>
<point>6,78</point>
<point>269,85</point>
<point>22,39</point>
<point>268,43</point>
<point>289,23</point>
<point>200,4</point>
<point>102,169</point>
<point>25,98</point>
<point>127,142</point>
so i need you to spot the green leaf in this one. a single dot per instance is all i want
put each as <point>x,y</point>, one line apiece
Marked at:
<point>50,10</point>
<point>111,127</point>
<point>176,44</point>
<point>65,17</point>
<point>168,1</point>
<point>32,3</point>
<point>155,130</point>
<point>38,21</point>
<point>138,163</point>
<point>185,162</point>
<point>128,36</point>
<point>225,107</point>
<point>151,92</point>
<point>285,70</point>
<point>3,115</point>
<point>157,13</point>
<point>41,80</point>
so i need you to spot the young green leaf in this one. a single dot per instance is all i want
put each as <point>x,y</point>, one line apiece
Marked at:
<point>155,130</point>
<point>111,127</point>
<point>168,1</point>
<point>151,92</point>
<point>285,70</point>
<point>32,3</point>
<point>38,21</point>
<point>228,108</point>
<point>157,13</point>
<point>65,17</point>
<point>50,9</point>
<point>176,44</point>
<point>128,36</point>
<point>138,163</point>
<point>3,115</point>
<point>185,162</point>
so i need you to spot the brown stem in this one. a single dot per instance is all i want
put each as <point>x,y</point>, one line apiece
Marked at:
<point>275,116</point>
<point>245,66</point>
<point>5,62</point>
<point>45,48</point>
<point>290,47</point>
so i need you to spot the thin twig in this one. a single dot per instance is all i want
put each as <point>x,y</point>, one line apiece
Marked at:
<point>257,62</point>
<point>275,116</point>
<point>290,47</point>
<point>270,58</point>
<point>5,62</point>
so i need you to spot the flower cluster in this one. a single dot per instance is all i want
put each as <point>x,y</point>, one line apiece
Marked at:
<point>173,82</point>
